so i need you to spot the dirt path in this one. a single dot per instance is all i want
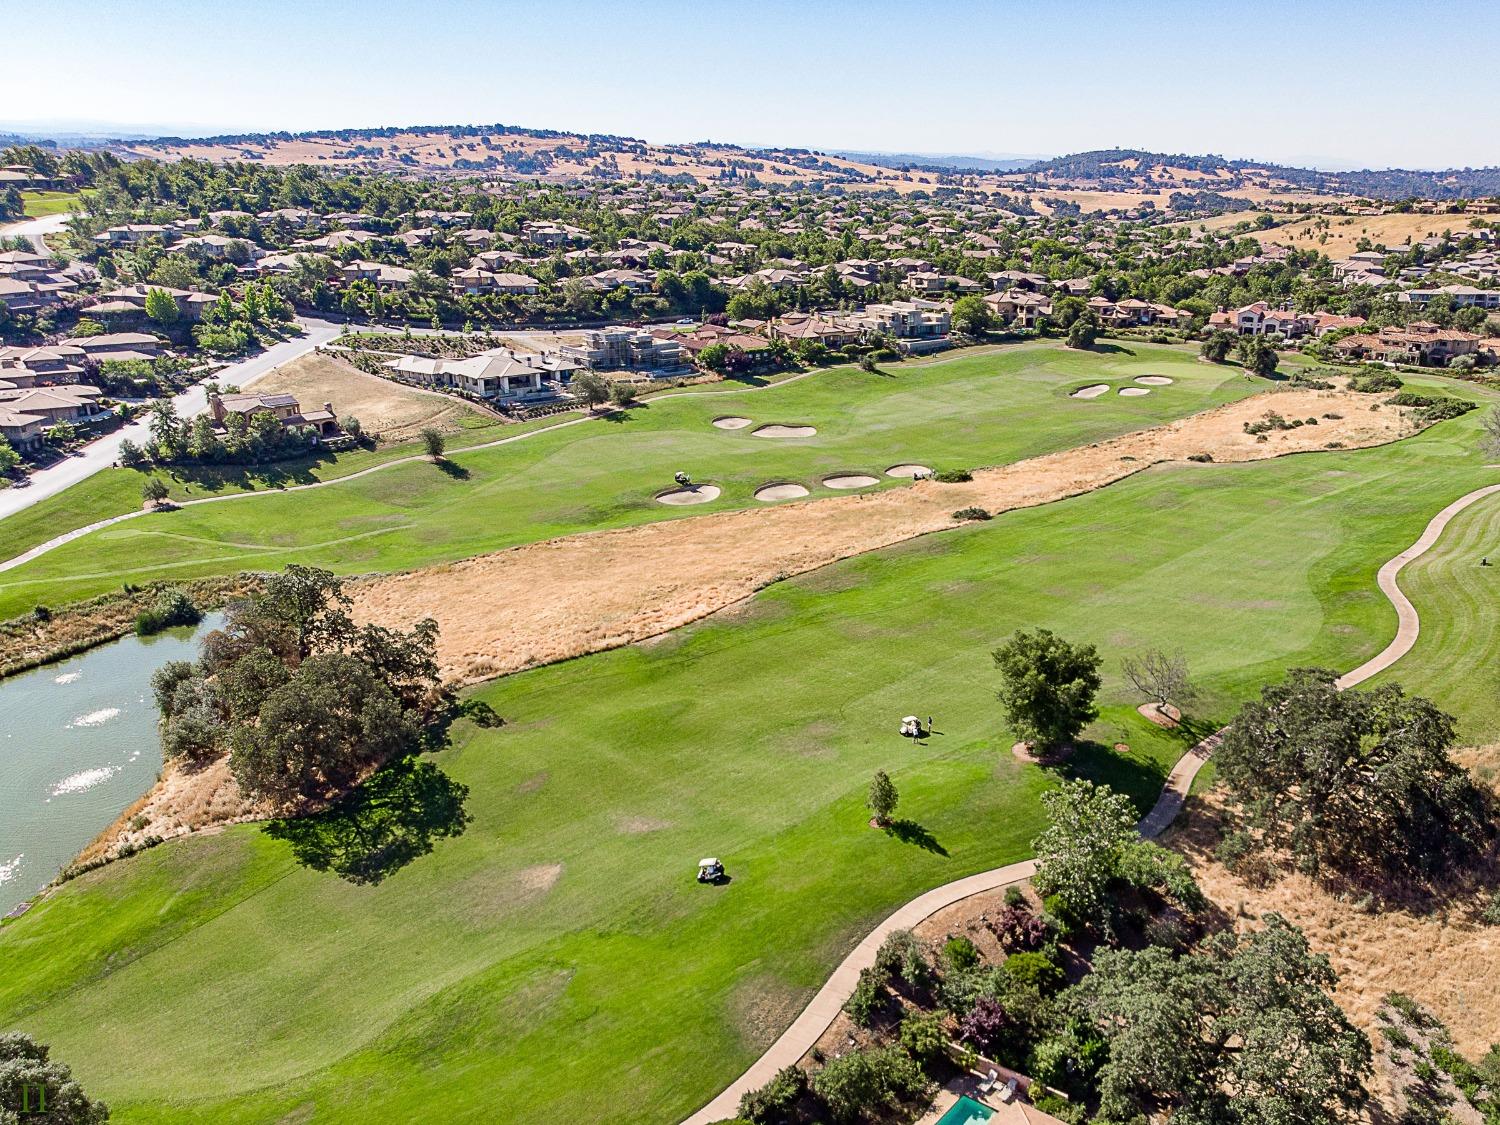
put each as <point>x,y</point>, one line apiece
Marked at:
<point>829,1001</point>
<point>598,590</point>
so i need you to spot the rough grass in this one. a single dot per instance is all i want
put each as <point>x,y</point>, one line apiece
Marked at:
<point>214,979</point>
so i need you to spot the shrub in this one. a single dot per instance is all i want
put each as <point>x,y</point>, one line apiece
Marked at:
<point>1036,970</point>
<point>775,1103</point>
<point>971,514</point>
<point>1490,913</point>
<point>1202,458</point>
<point>953,476</point>
<point>868,1080</point>
<point>868,996</point>
<point>171,609</point>
<point>1019,929</point>
<point>1060,1108</point>
<point>986,1025</point>
<point>959,954</point>
<point>901,955</point>
<point>924,1038</point>
<point>1015,896</point>
<point>1374,381</point>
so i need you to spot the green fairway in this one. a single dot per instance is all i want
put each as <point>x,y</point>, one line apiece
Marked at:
<point>41,203</point>
<point>557,962</point>
<point>977,409</point>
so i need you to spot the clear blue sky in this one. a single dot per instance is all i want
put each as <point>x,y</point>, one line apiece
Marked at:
<point>1373,82</point>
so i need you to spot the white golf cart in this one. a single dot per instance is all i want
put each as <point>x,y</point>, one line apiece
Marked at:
<point>710,870</point>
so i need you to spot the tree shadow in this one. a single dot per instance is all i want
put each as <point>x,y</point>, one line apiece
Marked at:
<point>1139,780</point>
<point>622,414</point>
<point>910,832</point>
<point>382,825</point>
<point>452,469</point>
<point>1108,348</point>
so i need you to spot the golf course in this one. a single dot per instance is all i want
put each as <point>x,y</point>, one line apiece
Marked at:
<point>976,409</point>
<point>554,955</point>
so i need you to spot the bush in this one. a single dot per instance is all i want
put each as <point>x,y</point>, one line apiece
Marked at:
<point>1015,896</point>
<point>1035,970</point>
<point>901,955</point>
<point>925,1039</point>
<point>868,996</point>
<point>987,1025</point>
<point>775,1103</point>
<point>959,954</point>
<point>1020,930</point>
<point>172,608</point>
<point>971,514</point>
<point>1374,381</point>
<point>1202,458</point>
<point>1490,914</point>
<point>866,1081</point>
<point>953,476</point>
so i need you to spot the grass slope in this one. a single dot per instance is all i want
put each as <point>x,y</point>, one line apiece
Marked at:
<point>557,962</point>
<point>978,409</point>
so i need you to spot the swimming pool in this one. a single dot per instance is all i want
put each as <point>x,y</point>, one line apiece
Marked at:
<point>965,1111</point>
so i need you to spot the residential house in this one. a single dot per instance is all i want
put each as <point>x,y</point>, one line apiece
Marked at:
<point>624,348</point>
<point>283,407</point>
<point>381,274</point>
<point>1420,342</point>
<point>1459,296</point>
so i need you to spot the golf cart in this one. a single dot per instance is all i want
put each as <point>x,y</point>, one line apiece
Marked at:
<point>911,727</point>
<point>682,479</point>
<point>710,871</point>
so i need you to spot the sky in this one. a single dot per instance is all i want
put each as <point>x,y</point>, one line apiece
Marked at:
<point>1334,84</point>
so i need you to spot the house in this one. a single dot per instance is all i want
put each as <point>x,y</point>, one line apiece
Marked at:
<point>795,328</point>
<point>625,348</point>
<point>1019,307</point>
<point>283,407</point>
<point>474,281</point>
<point>1459,296</point>
<point>115,346</point>
<point>498,375</point>
<point>23,431</point>
<point>637,281</point>
<point>65,402</point>
<point>28,366</point>
<point>27,296</point>
<point>383,276</point>
<point>131,233</point>
<point>1420,342</point>
<point>905,320</point>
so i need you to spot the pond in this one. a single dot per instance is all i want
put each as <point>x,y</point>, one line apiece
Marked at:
<point>78,744</point>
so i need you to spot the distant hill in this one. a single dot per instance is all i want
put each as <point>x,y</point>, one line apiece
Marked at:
<point>1132,169</point>
<point>937,162</point>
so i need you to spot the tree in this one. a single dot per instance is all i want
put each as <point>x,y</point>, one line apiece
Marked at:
<point>868,1079</point>
<point>924,1038</point>
<point>1240,1032</point>
<point>1217,347</point>
<point>351,426</point>
<point>1047,686</point>
<point>621,393</point>
<point>154,491</point>
<point>10,460</point>
<point>1078,855</point>
<point>319,731</point>
<point>1084,331</point>
<point>775,1103</point>
<point>1355,781</point>
<point>1160,676</point>
<point>434,443</point>
<point>714,358</point>
<point>883,797</point>
<point>36,1088</point>
<point>1257,356</point>
<point>1489,438</point>
<point>972,316</point>
<point>590,388</point>
<point>161,307</point>
<point>168,434</point>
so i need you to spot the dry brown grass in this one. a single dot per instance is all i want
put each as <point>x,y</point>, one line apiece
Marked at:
<point>1440,955</point>
<point>385,408</point>
<point>186,799</point>
<point>601,590</point>
<point>1345,231</point>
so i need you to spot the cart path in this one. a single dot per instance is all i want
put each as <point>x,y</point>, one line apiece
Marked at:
<point>825,1006</point>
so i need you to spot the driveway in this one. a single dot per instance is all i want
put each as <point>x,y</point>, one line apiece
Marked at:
<point>103,453</point>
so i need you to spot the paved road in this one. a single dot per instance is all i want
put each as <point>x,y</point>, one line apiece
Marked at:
<point>34,229</point>
<point>815,1019</point>
<point>101,454</point>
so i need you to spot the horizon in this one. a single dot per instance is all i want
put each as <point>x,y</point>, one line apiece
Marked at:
<point>652,72</point>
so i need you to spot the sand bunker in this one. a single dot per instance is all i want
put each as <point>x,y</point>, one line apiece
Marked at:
<point>599,590</point>
<point>1091,392</point>
<point>909,471</point>
<point>784,431</point>
<point>1154,380</point>
<point>697,494</point>
<point>1135,392</point>
<point>850,480</point>
<point>773,492</point>
<point>732,423</point>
